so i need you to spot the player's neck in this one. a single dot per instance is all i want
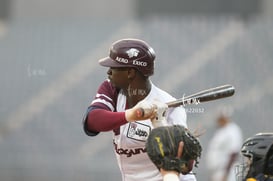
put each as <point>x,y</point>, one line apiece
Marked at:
<point>137,91</point>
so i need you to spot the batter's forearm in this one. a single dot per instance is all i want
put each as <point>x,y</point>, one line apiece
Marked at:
<point>99,120</point>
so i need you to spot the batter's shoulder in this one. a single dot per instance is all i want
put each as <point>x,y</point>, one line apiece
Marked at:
<point>107,88</point>
<point>162,94</point>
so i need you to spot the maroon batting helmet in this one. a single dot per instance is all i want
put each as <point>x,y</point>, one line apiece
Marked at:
<point>131,53</point>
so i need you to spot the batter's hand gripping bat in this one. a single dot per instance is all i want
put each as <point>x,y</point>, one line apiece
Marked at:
<point>200,97</point>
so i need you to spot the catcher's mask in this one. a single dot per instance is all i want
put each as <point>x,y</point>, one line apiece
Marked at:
<point>131,53</point>
<point>257,153</point>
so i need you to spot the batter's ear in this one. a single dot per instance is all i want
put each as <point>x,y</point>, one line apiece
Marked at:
<point>131,73</point>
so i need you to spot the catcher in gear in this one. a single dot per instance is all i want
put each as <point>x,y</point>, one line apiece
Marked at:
<point>173,149</point>
<point>258,154</point>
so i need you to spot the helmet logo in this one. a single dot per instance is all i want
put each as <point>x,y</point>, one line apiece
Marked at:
<point>132,52</point>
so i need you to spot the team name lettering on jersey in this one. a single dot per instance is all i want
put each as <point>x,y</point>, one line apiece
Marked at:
<point>129,152</point>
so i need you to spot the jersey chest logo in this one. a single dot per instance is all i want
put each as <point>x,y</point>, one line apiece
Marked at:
<point>138,131</point>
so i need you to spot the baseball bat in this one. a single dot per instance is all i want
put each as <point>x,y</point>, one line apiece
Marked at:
<point>200,97</point>
<point>204,96</point>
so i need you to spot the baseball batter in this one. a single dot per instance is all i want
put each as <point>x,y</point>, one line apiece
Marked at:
<point>128,88</point>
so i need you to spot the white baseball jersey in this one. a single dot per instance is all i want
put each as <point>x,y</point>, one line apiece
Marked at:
<point>129,140</point>
<point>226,140</point>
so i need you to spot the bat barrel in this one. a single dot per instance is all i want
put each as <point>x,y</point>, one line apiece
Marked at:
<point>204,96</point>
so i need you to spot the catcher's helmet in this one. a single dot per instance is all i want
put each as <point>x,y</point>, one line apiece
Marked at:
<point>259,149</point>
<point>131,53</point>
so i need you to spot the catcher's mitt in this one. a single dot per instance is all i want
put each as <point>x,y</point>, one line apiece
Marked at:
<point>162,147</point>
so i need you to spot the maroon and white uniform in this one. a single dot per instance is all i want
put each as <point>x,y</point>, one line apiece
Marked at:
<point>129,138</point>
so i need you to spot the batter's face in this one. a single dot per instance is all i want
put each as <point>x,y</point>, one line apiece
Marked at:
<point>118,76</point>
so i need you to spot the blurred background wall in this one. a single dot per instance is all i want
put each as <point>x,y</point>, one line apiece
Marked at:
<point>123,8</point>
<point>49,74</point>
